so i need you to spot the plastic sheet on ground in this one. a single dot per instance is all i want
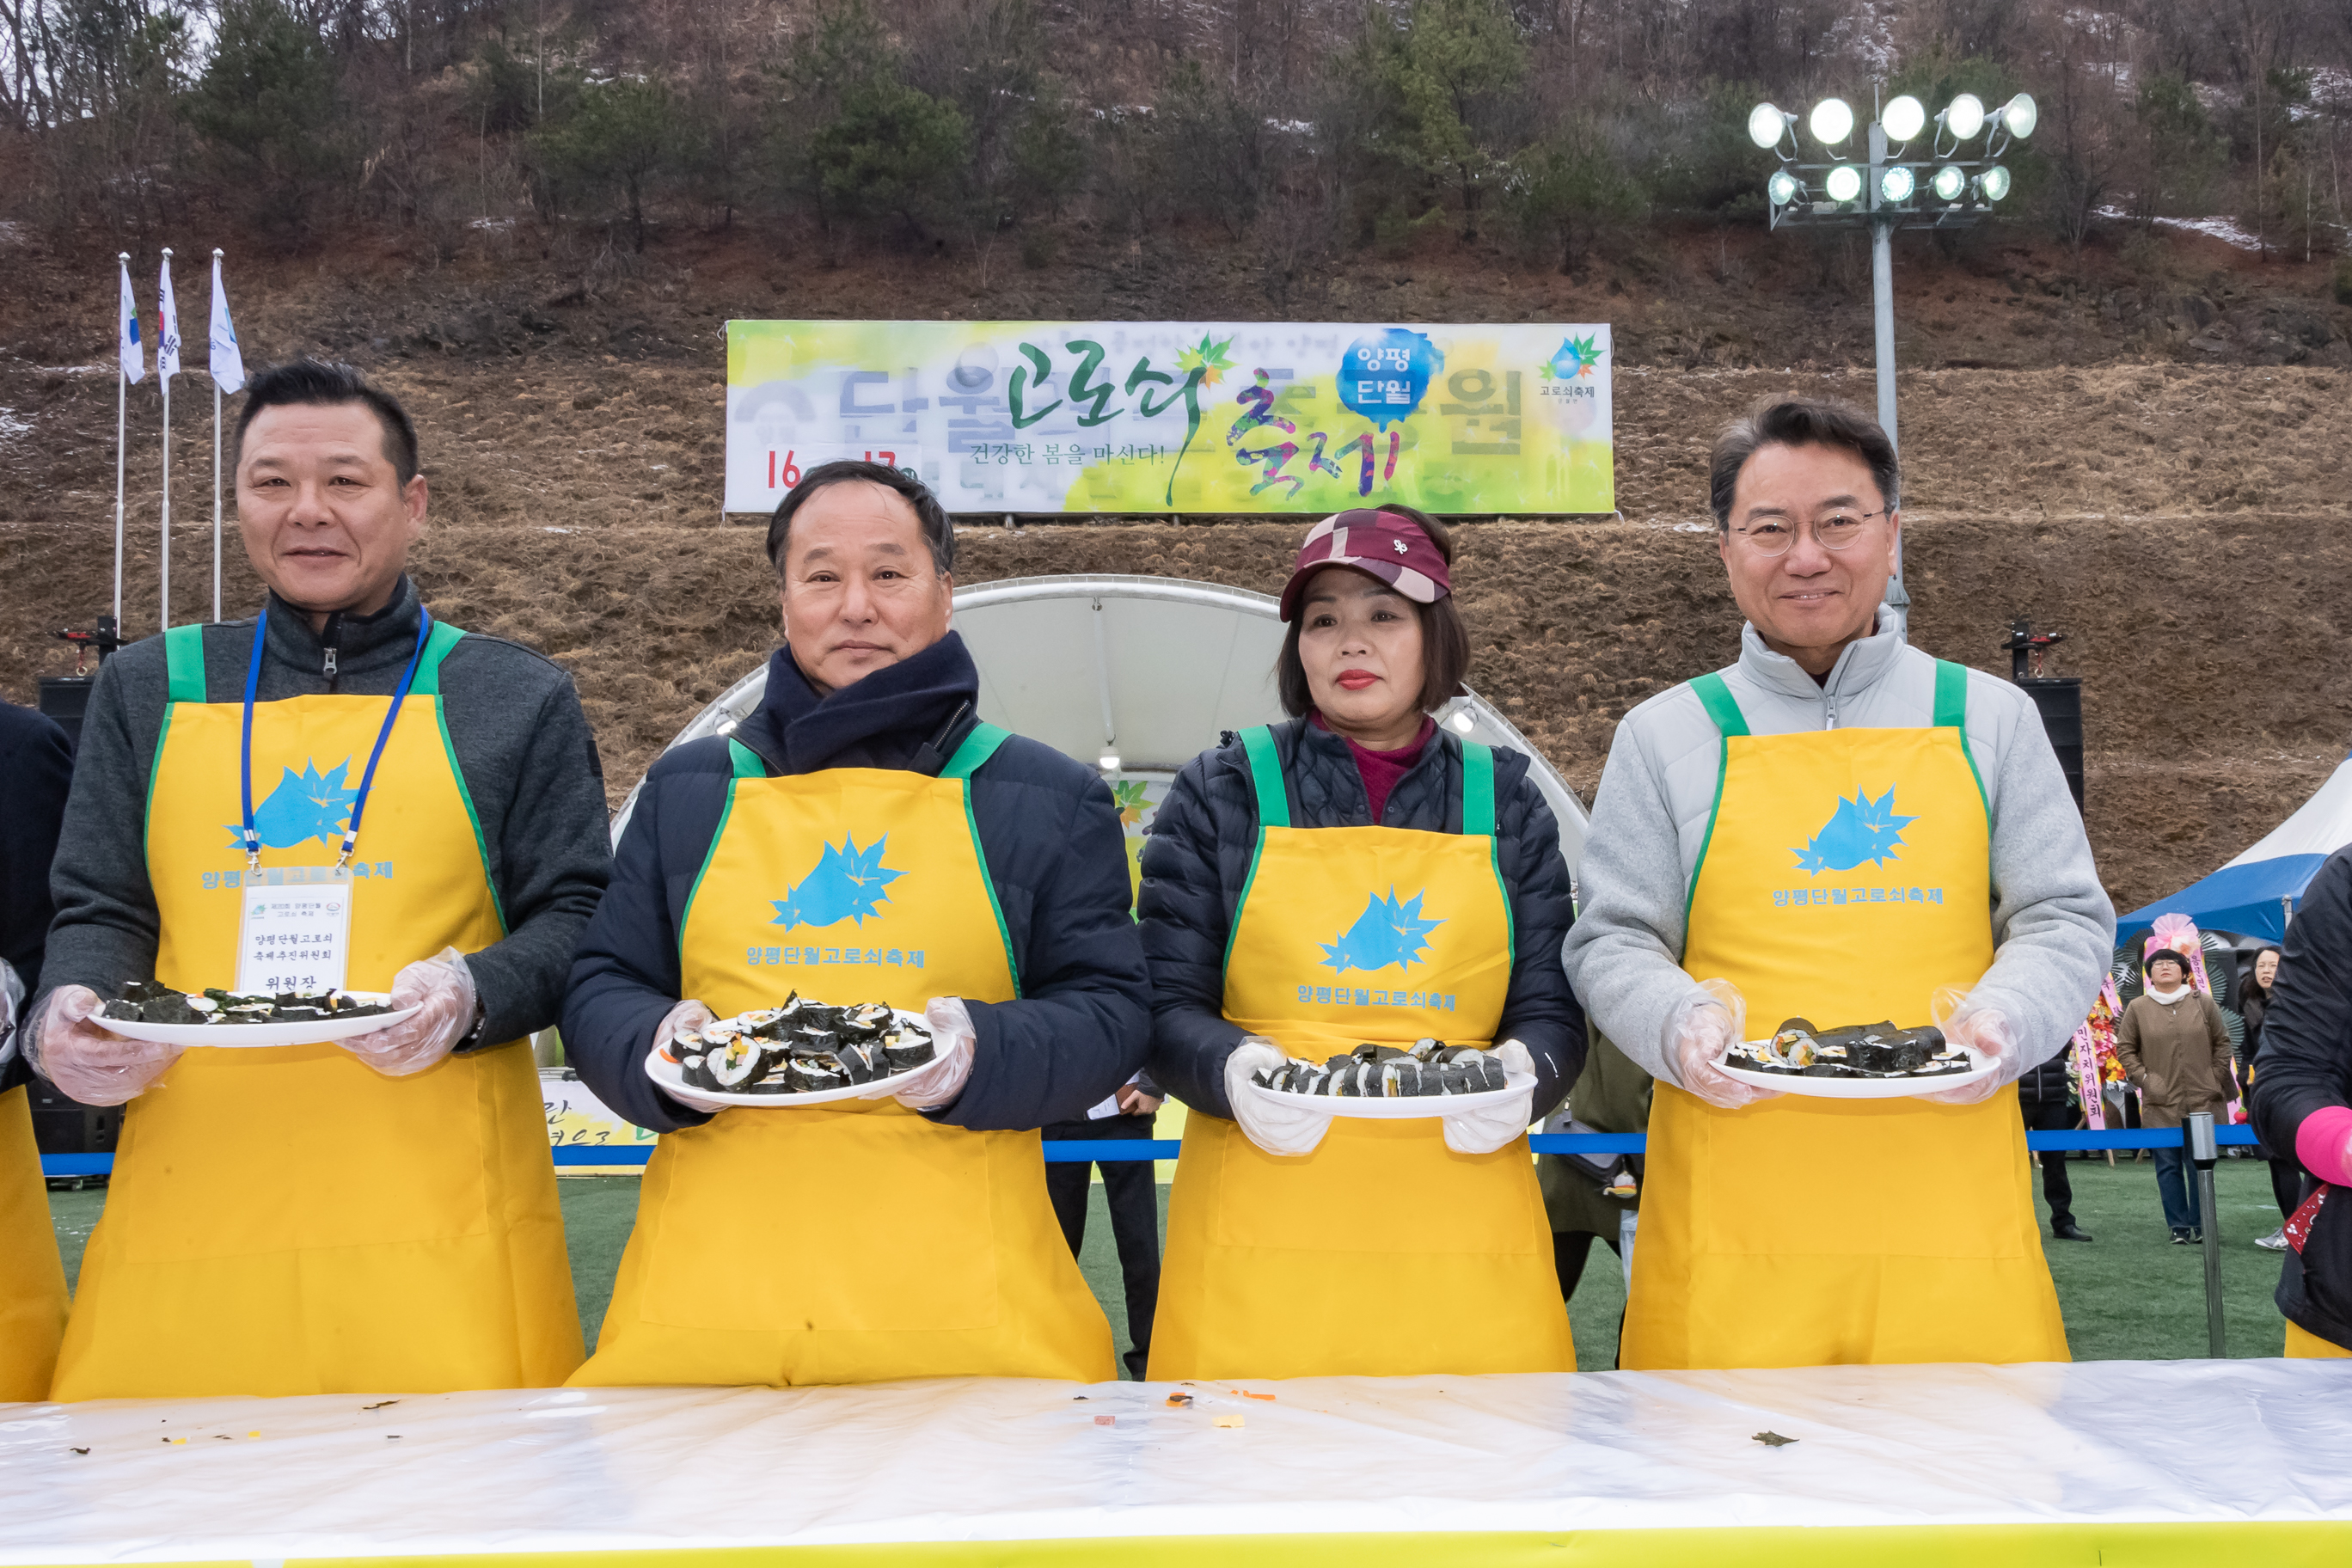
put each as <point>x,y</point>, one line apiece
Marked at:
<point>981,1460</point>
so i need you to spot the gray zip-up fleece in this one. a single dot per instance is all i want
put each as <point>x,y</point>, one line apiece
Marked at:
<point>521,743</point>
<point>2052,925</point>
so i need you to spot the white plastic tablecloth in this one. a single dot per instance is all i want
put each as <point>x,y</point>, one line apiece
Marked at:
<point>2107,1443</point>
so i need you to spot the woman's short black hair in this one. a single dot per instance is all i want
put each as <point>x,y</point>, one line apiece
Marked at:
<point>323,383</point>
<point>1444,641</point>
<point>938,532</point>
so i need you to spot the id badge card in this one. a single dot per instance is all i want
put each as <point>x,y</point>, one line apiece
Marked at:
<point>295,935</point>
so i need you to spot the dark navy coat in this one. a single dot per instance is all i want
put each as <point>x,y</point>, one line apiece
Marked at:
<point>1197,863</point>
<point>1050,839</point>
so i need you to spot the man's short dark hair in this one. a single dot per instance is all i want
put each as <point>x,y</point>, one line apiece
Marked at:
<point>938,533</point>
<point>1800,422</point>
<point>1444,641</point>
<point>323,383</point>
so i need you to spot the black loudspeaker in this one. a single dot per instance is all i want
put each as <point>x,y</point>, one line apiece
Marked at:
<point>65,697</point>
<point>2059,699</point>
<point>63,1126</point>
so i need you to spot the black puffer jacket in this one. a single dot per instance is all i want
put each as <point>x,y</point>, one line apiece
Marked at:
<point>1197,862</point>
<point>2305,1066</point>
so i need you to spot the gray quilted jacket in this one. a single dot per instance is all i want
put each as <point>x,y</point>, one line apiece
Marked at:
<point>2052,925</point>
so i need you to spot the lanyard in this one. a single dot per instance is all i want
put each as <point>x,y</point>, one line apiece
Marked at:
<point>367,781</point>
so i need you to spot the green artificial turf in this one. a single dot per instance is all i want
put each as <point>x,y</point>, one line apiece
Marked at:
<point>2129,1295</point>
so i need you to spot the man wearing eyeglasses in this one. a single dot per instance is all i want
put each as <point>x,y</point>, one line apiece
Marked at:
<point>1843,829</point>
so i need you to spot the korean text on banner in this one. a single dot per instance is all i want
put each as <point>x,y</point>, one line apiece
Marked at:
<point>1075,417</point>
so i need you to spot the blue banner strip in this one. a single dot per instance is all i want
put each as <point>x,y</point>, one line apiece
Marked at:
<point>1082,1151</point>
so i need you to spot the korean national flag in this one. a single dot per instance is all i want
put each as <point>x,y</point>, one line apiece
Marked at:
<point>227,362</point>
<point>126,337</point>
<point>167,325</point>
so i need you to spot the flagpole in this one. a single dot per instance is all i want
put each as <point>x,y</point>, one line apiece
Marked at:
<point>217,474</point>
<point>121,407</point>
<point>165,312</point>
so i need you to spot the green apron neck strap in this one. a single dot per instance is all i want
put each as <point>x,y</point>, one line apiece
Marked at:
<point>1951,695</point>
<point>438,644</point>
<point>1266,774</point>
<point>747,762</point>
<point>977,747</point>
<point>184,663</point>
<point>1715,695</point>
<point>1478,790</point>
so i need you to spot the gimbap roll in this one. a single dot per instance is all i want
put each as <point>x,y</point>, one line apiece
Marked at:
<point>734,1063</point>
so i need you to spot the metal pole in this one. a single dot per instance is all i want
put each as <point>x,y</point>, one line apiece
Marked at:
<point>2199,1135</point>
<point>217,493</point>
<point>1882,291</point>
<point>122,404</point>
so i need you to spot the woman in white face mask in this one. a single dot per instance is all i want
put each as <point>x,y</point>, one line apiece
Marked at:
<point>2175,1050</point>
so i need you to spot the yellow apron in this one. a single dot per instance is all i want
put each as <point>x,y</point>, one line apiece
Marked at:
<point>32,1277</point>
<point>856,1241</point>
<point>1383,1252</point>
<point>1846,877</point>
<point>288,1220</point>
<point>2302,1344</point>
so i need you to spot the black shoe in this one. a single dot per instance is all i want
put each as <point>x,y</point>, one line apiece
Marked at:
<point>2070,1232</point>
<point>2196,1236</point>
<point>2180,1239</point>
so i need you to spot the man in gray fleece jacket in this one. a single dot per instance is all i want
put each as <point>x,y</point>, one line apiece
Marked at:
<point>376,1212</point>
<point>1754,830</point>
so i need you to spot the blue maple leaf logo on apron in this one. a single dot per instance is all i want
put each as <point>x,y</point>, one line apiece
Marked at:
<point>847,885</point>
<point>304,806</point>
<point>1860,829</point>
<point>1387,932</point>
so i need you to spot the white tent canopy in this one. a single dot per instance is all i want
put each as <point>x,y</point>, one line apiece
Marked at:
<point>2254,892</point>
<point>1135,677</point>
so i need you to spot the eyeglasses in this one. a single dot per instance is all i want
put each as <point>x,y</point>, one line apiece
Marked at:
<point>1773,535</point>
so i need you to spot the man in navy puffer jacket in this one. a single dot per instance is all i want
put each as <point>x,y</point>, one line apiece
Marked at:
<point>1197,865</point>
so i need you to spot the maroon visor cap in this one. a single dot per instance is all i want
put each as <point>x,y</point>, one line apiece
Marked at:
<point>1391,548</point>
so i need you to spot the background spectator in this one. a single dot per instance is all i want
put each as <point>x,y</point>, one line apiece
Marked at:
<point>2175,1051</point>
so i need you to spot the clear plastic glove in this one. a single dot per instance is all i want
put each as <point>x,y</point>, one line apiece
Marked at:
<point>938,1081</point>
<point>687,1014</point>
<point>88,1061</point>
<point>1275,1125</point>
<point>1484,1131</point>
<point>441,989</point>
<point>12,1003</point>
<point>1987,1035</point>
<point>1699,1031</point>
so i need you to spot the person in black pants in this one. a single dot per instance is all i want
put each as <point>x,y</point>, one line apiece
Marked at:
<point>1131,1189</point>
<point>2286,1174</point>
<point>2044,1098</point>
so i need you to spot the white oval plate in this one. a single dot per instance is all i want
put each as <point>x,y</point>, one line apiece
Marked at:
<point>671,1077</point>
<point>1403,1107</point>
<point>301,1032</point>
<point>1858,1087</point>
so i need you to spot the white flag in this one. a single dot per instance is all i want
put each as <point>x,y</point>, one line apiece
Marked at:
<point>228,363</point>
<point>167,325</point>
<point>126,337</point>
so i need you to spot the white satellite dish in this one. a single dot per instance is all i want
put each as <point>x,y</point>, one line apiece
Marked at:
<point>1135,677</point>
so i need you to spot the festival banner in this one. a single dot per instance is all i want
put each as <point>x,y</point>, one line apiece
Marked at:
<point>1179,417</point>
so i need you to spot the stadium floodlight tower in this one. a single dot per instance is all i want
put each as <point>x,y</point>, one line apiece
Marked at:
<point>1955,184</point>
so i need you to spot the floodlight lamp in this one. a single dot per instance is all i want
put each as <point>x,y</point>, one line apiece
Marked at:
<point>1903,118</point>
<point>1845,183</point>
<point>1781,187</point>
<point>1897,183</point>
<point>1462,721</point>
<point>1832,122</point>
<point>1107,762</point>
<point>1767,123</point>
<point>1964,116</point>
<point>1993,182</point>
<point>2020,115</point>
<point>1949,183</point>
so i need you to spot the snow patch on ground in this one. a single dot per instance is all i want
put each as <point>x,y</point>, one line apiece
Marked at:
<point>2226,230</point>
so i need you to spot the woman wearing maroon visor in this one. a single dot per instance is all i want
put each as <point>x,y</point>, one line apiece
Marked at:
<point>1359,877</point>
